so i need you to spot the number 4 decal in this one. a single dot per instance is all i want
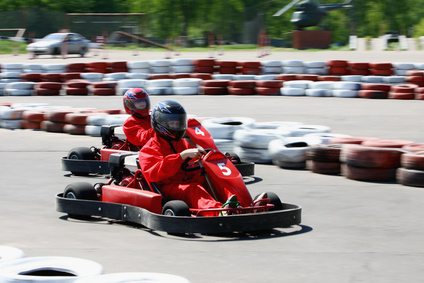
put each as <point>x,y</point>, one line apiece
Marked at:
<point>198,131</point>
<point>225,170</point>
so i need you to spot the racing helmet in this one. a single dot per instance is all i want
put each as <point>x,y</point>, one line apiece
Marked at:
<point>169,120</point>
<point>137,102</point>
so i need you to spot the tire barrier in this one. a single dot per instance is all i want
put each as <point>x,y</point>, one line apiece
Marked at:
<point>324,159</point>
<point>48,269</point>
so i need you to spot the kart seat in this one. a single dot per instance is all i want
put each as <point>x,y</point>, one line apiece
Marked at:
<point>131,162</point>
<point>119,133</point>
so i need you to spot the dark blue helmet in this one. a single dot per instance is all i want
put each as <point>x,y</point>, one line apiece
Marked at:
<point>169,120</point>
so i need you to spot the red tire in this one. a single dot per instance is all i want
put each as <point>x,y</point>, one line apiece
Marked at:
<point>76,66</point>
<point>214,90</point>
<point>268,91</point>
<point>215,83</point>
<point>77,83</point>
<point>117,65</point>
<point>349,140</point>
<point>360,72</point>
<point>76,91</point>
<point>98,70</point>
<point>329,78</point>
<point>404,88</point>
<point>369,174</point>
<point>370,157</point>
<point>307,77</point>
<point>228,70</point>
<point>97,65</point>
<point>375,86</point>
<point>414,147</point>
<point>381,72</point>
<point>410,177</point>
<point>340,71</point>
<point>204,69</point>
<point>381,66</point>
<point>250,64</point>
<point>47,92</point>
<point>54,127</point>
<point>159,76</point>
<point>104,84</point>
<point>70,76</point>
<point>327,168</point>
<point>413,160</point>
<point>31,77</point>
<point>286,77</point>
<point>31,125</point>
<point>359,65</point>
<point>180,76</point>
<point>329,153</point>
<point>269,84</point>
<point>203,76</point>
<point>79,118</point>
<point>415,79</point>
<point>250,71</point>
<point>405,96</point>
<point>51,76</point>
<point>104,91</point>
<point>33,115</point>
<point>415,73</point>
<point>374,94</point>
<point>386,143</point>
<point>243,84</point>
<point>49,85</point>
<point>241,91</point>
<point>226,64</point>
<point>337,63</point>
<point>204,63</point>
<point>74,129</point>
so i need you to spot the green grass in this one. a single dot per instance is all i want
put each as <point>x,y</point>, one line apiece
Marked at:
<point>9,47</point>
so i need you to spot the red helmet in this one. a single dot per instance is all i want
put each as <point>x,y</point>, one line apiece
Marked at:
<point>137,102</point>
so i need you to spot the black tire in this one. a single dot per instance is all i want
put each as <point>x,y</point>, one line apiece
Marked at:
<point>83,153</point>
<point>245,168</point>
<point>275,200</point>
<point>176,208</point>
<point>80,190</point>
<point>56,51</point>
<point>82,52</point>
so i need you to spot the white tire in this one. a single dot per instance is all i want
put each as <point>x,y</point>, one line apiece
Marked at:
<point>92,130</point>
<point>92,76</point>
<point>224,128</point>
<point>58,71</point>
<point>159,83</point>
<point>138,64</point>
<point>137,76</point>
<point>21,85</point>
<point>272,63</point>
<point>345,93</point>
<point>394,80</point>
<point>126,277</point>
<point>315,64</point>
<point>132,83</point>
<point>272,70</point>
<point>400,72</point>
<point>140,71</point>
<point>316,71</point>
<point>10,253</point>
<point>284,151</point>
<point>18,92</point>
<point>115,76</point>
<point>68,269</point>
<point>160,63</point>
<point>182,69</point>
<point>160,69</point>
<point>223,77</point>
<point>224,145</point>
<point>283,125</point>
<point>117,119</point>
<point>324,138</point>
<point>290,91</point>
<point>11,124</point>
<point>372,79</point>
<point>293,70</point>
<point>298,131</point>
<point>347,85</point>
<point>182,62</point>
<point>351,78</point>
<point>257,138</point>
<point>292,63</point>
<point>49,67</point>
<point>165,90</point>
<point>32,66</point>
<point>189,90</point>
<point>244,77</point>
<point>419,66</point>
<point>96,120</point>
<point>121,90</point>
<point>322,85</point>
<point>186,82</point>
<point>265,77</point>
<point>403,66</point>
<point>319,92</point>
<point>253,154</point>
<point>298,84</point>
<point>12,66</point>
<point>10,75</point>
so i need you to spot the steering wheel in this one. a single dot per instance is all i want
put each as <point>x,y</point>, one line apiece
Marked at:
<point>190,166</point>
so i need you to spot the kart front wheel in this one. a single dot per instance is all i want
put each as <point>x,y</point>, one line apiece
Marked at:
<point>176,208</point>
<point>275,200</point>
<point>83,153</point>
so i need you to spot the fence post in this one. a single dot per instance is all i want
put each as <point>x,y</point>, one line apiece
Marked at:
<point>168,43</point>
<point>105,44</point>
<point>211,44</point>
<point>177,44</point>
<point>220,44</point>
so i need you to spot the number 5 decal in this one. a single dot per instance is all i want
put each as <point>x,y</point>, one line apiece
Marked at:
<point>225,170</point>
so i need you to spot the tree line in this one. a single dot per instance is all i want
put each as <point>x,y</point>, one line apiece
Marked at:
<point>195,18</point>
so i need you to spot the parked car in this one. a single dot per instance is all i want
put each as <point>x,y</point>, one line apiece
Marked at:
<point>53,43</point>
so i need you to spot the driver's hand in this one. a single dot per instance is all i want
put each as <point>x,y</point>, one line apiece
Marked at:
<point>192,153</point>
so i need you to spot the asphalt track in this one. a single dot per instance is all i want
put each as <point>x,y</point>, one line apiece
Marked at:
<point>351,231</point>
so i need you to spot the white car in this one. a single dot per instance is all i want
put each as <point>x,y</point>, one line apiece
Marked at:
<point>53,44</point>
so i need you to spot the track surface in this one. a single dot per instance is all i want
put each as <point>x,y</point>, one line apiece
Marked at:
<point>351,231</point>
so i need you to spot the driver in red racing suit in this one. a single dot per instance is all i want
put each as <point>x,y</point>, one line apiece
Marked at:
<point>137,127</point>
<point>161,159</point>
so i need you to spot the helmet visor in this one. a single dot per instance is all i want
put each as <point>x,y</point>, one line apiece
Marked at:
<point>175,122</point>
<point>138,104</point>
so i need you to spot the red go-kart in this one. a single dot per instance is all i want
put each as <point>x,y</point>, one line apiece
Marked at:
<point>129,197</point>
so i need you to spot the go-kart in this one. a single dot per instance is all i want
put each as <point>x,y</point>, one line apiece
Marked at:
<point>129,197</point>
<point>82,161</point>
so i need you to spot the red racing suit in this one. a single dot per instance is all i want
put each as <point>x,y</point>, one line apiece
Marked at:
<point>160,163</point>
<point>138,130</point>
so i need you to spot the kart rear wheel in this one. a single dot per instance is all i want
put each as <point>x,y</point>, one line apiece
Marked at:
<point>80,190</point>
<point>176,208</point>
<point>83,153</point>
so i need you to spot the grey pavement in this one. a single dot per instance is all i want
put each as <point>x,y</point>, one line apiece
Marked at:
<point>351,231</point>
